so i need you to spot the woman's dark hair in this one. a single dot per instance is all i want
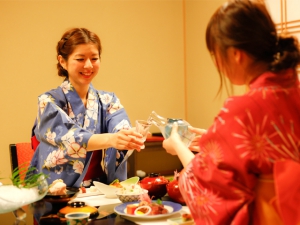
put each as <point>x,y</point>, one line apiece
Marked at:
<point>247,25</point>
<point>69,42</point>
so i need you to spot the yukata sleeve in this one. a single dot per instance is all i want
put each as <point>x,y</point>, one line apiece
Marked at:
<point>116,119</point>
<point>217,185</point>
<point>61,152</point>
<point>58,129</point>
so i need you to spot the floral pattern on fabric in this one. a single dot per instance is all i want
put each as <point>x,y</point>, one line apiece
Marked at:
<point>64,126</point>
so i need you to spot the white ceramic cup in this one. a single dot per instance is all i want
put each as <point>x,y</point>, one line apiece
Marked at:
<point>78,218</point>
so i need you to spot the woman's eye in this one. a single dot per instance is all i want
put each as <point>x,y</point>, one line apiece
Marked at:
<point>95,59</point>
<point>79,59</point>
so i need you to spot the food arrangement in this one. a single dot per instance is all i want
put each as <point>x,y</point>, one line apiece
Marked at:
<point>116,183</point>
<point>146,207</point>
<point>58,187</point>
<point>110,190</point>
<point>27,187</point>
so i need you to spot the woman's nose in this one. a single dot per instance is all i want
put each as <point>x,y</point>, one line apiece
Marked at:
<point>88,64</point>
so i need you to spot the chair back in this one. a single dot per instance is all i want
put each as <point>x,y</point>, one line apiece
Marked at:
<point>20,154</point>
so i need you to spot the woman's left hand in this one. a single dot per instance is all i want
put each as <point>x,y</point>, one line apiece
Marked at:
<point>170,143</point>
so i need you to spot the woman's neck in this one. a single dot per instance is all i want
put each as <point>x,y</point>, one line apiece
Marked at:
<point>255,70</point>
<point>82,92</point>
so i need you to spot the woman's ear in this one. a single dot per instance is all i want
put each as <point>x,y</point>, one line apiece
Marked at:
<point>237,54</point>
<point>62,62</point>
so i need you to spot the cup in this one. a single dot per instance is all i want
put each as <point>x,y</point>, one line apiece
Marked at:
<point>142,127</point>
<point>77,218</point>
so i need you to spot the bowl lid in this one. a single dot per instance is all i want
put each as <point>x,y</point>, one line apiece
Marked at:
<point>78,207</point>
<point>154,178</point>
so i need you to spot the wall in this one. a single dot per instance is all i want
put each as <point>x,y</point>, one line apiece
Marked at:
<point>154,58</point>
<point>203,80</point>
<point>142,60</point>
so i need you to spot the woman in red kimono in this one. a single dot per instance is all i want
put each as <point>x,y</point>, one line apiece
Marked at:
<point>247,167</point>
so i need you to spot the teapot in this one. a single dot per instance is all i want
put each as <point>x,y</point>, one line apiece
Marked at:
<point>165,127</point>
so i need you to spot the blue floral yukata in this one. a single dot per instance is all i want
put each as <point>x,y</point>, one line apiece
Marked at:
<point>64,126</point>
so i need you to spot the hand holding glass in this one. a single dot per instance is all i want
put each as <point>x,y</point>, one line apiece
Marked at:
<point>142,127</point>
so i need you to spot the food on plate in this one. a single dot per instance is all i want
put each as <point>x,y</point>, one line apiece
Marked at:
<point>82,189</point>
<point>93,189</point>
<point>142,210</point>
<point>134,189</point>
<point>58,187</point>
<point>131,208</point>
<point>116,183</point>
<point>146,207</point>
<point>186,217</point>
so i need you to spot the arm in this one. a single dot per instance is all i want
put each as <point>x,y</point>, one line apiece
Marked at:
<point>122,140</point>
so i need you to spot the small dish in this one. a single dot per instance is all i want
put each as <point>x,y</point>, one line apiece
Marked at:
<point>130,197</point>
<point>110,190</point>
<point>71,193</point>
<point>179,221</point>
<point>89,192</point>
<point>130,181</point>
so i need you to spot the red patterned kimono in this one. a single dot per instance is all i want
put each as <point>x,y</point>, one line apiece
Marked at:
<point>248,169</point>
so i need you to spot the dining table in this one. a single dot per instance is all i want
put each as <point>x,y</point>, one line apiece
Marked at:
<point>44,212</point>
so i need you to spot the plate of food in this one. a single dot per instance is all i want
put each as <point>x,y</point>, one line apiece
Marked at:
<point>59,192</point>
<point>153,210</point>
<point>85,192</point>
<point>109,190</point>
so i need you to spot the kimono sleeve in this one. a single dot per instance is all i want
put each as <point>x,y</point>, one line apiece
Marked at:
<point>56,127</point>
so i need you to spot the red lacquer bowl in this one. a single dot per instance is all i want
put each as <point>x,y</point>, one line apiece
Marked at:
<point>155,184</point>
<point>174,192</point>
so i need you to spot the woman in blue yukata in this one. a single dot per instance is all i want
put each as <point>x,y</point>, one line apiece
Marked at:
<point>81,134</point>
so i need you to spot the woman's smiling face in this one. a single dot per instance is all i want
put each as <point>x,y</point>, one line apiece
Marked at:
<point>83,64</point>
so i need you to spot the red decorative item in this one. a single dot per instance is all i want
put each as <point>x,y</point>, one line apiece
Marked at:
<point>173,189</point>
<point>155,184</point>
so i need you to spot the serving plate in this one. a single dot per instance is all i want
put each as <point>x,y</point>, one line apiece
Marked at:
<point>71,193</point>
<point>88,193</point>
<point>110,191</point>
<point>172,208</point>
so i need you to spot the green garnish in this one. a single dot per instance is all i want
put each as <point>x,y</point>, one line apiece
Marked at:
<point>31,177</point>
<point>158,201</point>
<point>115,181</point>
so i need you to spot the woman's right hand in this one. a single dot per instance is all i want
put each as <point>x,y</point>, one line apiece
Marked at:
<point>194,145</point>
<point>127,140</point>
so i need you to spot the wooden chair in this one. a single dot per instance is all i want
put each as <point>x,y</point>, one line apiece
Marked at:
<point>20,153</point>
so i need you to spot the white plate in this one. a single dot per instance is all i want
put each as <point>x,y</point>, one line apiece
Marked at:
<point>172,208</point>
<point>110,191</point>
<point>107,190</point>
<point>88,193</point>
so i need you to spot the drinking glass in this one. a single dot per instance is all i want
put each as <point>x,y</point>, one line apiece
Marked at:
<point>142,126</point>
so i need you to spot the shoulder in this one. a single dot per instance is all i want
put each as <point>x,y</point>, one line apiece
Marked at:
<point>107,97</point>
<point>238,104</point>
<point>54,95</point>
